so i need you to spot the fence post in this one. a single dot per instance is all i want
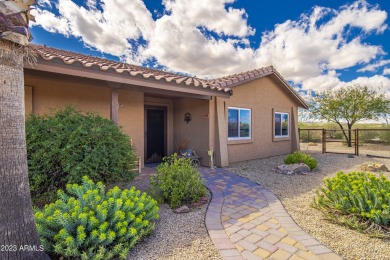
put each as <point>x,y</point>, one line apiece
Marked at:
<point>323,141</point>
<point>357,141</point>
<point>299,134</point>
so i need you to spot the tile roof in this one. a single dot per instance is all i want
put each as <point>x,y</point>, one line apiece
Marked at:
<point>224,84</point>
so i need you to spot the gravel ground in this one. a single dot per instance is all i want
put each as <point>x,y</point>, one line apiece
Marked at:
<point>297,192</point>
<point>177,236</point>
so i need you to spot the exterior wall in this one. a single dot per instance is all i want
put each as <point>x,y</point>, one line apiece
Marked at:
<point>44,95</point>
<point>197,131</point>
<point>263,96</point>
<point>131,118</point>
<point>28,99</point>
<point>50,94</point>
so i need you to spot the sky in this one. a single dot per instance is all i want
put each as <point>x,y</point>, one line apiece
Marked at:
<point>315,45</point>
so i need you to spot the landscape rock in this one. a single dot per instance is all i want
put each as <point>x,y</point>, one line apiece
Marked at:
<point>296,168</point>
<point>373,167</point>
<point>197,204</point>
<point>204,198</point>
<point>182,209</point>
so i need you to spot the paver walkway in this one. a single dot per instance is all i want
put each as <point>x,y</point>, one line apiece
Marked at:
<point>247,221</point>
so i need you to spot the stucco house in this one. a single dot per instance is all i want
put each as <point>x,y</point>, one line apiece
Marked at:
<point>242,117</point>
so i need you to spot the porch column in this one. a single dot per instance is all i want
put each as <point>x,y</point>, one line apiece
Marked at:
<point>221,133</point>
<point>114,106</point>
<point>212,131</point>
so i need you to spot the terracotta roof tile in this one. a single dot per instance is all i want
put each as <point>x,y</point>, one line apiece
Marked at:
<point>224,84</point>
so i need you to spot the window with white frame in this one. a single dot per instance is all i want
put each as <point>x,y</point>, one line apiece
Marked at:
<point>239,123</point>
<point>281,124</point>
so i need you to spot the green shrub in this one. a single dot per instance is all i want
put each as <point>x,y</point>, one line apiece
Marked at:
<point>298,157</point>
<point>177,182</point>
<point>359,200</point>
<point>88,223</point>
<point>64,146</point>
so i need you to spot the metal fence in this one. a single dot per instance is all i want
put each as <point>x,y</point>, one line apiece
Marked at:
<point>371,142</point>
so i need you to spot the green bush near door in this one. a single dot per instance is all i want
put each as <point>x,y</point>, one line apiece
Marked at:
<point>64,146</point>
<point>177,182</point>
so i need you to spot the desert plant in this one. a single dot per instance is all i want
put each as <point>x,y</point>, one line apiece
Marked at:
<point>64,146</point>
<point>359,200</point>
<point>299,157</point>
<point>88,223</point>
<point>177,182</point>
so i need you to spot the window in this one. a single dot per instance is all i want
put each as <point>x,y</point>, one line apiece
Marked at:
<point>239,123</point>
<point>281,124</point>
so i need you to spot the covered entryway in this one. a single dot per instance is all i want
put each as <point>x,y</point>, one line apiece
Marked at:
<point>156,134</point>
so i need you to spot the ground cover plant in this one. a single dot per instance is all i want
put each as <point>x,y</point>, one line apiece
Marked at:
<point>177,182</point>
<point>359,200</point>
<point>64,146</point>
<point>88,223</point>
<point>299,157</point>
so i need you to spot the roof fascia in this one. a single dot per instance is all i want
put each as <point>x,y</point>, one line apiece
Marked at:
<point>111,76</point>
<point>29,73</point>
<point>298,98</point>
<point>249,79</point>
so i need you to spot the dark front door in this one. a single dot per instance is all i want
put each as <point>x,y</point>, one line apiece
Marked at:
<point>155,135</point>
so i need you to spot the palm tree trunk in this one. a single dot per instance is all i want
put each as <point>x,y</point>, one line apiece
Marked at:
<point>18,235</point>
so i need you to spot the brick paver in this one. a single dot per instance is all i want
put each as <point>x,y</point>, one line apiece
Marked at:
<point>247,221</point>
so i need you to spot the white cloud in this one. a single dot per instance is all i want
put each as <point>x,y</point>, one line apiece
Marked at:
<point>322,82</point>
<point>377,82</point>
<point>210,14</point>
<point>179,44</point>
<point>50,22</point>
<point>374,66</point>
<point>44,3</point>
<point>307,48</point>
<point>386,71</point>
<point>352,54</point>
<point>108,30</point>
<point>307,51</point>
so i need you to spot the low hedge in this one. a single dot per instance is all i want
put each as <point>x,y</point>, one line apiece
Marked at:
<point>65,145</point>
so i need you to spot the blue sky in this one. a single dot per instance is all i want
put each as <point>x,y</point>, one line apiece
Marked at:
<point>315,45</point>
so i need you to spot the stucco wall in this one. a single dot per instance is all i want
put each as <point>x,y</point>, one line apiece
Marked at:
<point>131,118</point>
<point>262,96</point>
<point>197,130</point>
<point>45,95</point>
<point>50,94</point>
<point>28,104</point>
